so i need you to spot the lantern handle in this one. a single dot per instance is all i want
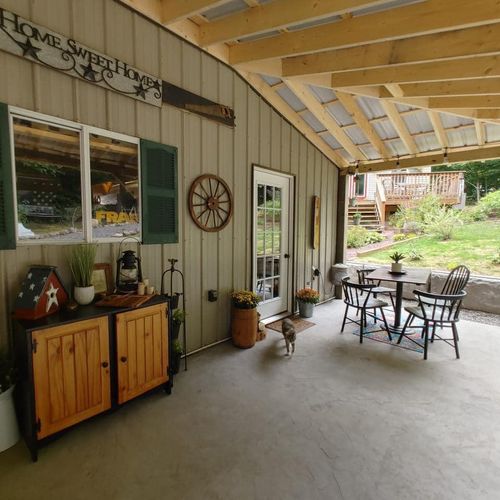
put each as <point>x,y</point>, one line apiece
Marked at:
<point>125,239</point>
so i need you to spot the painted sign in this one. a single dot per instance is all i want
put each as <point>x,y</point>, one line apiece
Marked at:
<point>37,44</point>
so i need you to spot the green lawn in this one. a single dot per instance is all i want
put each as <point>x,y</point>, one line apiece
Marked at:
<point>473,245</point>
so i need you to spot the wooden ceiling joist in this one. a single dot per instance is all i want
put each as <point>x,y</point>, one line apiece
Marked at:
<point>400,126</point>
<point>479,126</point>
<point>176,10</point>
<point>462,102</point>
<point>402,22</point>
<point>475,86</point>
<point>352,107</point>
<point>473,67</point>
<point>481,40</point>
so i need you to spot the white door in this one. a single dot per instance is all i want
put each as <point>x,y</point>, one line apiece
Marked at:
<point>272,245</point>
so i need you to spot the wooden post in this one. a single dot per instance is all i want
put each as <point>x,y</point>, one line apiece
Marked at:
<point>341,241</point>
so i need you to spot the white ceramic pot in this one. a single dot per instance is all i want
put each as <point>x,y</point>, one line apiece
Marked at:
<point>84,295</point>
<point>9,431</point>
<point>306,309</point>
<point>396,267</point>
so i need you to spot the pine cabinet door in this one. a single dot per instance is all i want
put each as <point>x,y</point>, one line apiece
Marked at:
<point>142,350</point>
<point>71,374</point>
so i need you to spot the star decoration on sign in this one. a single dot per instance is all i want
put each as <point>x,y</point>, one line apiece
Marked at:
<point>35,298</point>
<point>29,49</point>
<point>20,295</point>
<point>140,90</point>
<point>30,275</point>
<point>32,286</point>
<point>88,72</point>
<point>51,297</point>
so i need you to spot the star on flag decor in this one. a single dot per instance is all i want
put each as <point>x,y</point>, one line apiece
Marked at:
<point>42,293</point>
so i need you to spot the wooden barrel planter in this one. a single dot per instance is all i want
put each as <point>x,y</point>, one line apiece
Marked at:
<point>244,327</point>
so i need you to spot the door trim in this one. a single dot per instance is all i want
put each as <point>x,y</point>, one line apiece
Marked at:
<point>291,230</point>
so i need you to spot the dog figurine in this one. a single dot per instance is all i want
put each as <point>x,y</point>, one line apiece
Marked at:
<point>289,334</point>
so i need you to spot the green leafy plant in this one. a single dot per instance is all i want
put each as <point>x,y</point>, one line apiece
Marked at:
<point>359,236</point>
<point>179,316</point>
<point>307,295</point>
<point>357,216</point>
<point>414,254</point>
<point>178,349</point>
<point>7,372</point>
<point>443,222</point>
<point>81,262</point>
<point>397,257</point>
<point>496,258</point>
<point>491,203</point>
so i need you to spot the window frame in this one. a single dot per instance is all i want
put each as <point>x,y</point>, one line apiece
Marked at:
<point>85,181</point>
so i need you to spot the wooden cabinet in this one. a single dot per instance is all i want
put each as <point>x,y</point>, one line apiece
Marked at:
<point>142,350</point>
<point>71,374</point>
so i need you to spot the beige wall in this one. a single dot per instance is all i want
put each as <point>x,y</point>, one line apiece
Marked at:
<point>210,260</point>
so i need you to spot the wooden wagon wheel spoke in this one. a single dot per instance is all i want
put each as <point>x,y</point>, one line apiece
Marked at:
<point>210,203</point>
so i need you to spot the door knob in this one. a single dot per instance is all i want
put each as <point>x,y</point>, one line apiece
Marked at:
<point>105,364</point>
<point>123,359</point>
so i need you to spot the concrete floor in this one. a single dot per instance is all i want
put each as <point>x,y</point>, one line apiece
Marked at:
<point>339,420</point>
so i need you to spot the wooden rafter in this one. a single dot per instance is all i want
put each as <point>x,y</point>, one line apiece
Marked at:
<point>476,86</point>
<point>471,42</point>
<point>460,102</point>
<point>325,118</point>
<point>479,126</point>
<point>352,107</point>
<point>437,125</point>
<point>403,22</point>
<point>274,16</point>
<point>400,126</point>
<point>176,10</point>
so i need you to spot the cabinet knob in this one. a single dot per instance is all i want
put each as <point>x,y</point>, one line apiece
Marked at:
<point>105,364</point>
<point>123,359</point>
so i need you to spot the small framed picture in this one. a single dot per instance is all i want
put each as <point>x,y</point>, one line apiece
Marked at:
<point>102,278</point>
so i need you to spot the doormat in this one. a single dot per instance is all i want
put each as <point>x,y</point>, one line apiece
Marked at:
<point>299,323</point>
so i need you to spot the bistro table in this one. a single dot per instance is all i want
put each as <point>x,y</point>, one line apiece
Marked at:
<point>413,276</point>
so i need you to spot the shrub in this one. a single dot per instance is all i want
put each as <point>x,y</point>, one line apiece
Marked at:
<point>475,213</point>
<point>403,236</point>
<point>496,258</point>
<point>359,236</point>
<point>412,218</point>
<point>414,254</point>
<point>373,237</point>
<point>442,222</point>
<point>491,203</point>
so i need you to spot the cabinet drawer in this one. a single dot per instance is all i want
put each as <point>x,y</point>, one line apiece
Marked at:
<point>71,374</point>
<point>142,350</point>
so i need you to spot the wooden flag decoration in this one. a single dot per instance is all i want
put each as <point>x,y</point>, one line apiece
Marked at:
<point>42,293</point>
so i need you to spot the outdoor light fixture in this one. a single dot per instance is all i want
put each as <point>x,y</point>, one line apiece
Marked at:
<point>445,156</point>
<point>398,163</point>
<point>128,269</point>
<point>356,171</point>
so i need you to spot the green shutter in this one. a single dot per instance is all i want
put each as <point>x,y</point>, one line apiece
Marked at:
<point>160,223</point>
<point>7,232</point>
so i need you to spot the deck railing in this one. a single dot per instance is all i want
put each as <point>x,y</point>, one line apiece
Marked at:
<point>402,188</point>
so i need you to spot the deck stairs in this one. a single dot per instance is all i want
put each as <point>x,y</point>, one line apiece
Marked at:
<point>369,215</point>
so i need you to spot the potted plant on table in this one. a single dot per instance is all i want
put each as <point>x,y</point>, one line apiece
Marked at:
<point>356,218</point>
<point>244,318</point>
<point>178,317</point>
<point>9,432</point>
<point>397,266</point>
<point>177,355</point>
<point>307,298</point>
<point>81,263</point>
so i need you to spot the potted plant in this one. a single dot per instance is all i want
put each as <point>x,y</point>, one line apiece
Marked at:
<point>244,318</point>
<point>9,431</point>
<point>177,355</point>
<point>81,262</point>
<point>356,218</point>
<point>178,317</point>
<point>307,298</point>
<point>397,266</point>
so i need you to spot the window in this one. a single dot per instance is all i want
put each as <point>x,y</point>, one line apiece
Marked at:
<point>74,183</point>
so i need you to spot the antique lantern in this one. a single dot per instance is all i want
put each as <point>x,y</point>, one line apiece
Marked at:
<point>128,270</point>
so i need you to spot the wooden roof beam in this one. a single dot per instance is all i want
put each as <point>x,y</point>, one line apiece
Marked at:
<point>295,119</point>
<point>461,102</point>
<point>431,16</point>
<point>176,10</point>
<point>352,107</point>
<point>400,126</point>
<point>479,126</point>
<point>472,67</point>
<point>274,16</point>
<point>440,131</point>
<point>475,86</point>
<point>325,118</point>
<point>481,40</point>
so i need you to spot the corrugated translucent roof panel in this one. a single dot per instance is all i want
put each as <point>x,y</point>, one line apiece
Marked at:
<point>342,117</point>
<point>403,107</point>
<point>259,36</point>
<point>492,132</point>
<point>290,98</point>
<point>370,152</point>
<point>323,94</point>
<point>315,22</point>
<point>452,121</point>
<point>397,147</point>
<point>385,129</point>
<point>370,107</point>
<point>345,155</point>
<point>427,142</point>
<point>271,80</point>
<point>312,121</point>
<point>462,137</point>
<point>381,7</point>
<point>225,9</point>
<point>356,135</point>
<point>330,140</point>
<point>418,122</point>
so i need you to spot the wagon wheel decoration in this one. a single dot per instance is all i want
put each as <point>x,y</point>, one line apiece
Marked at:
<point>210,203</point>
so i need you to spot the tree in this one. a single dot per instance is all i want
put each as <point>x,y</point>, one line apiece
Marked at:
<point>481,177</point>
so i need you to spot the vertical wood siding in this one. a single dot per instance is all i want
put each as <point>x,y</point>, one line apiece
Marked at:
<point>221,260</point>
